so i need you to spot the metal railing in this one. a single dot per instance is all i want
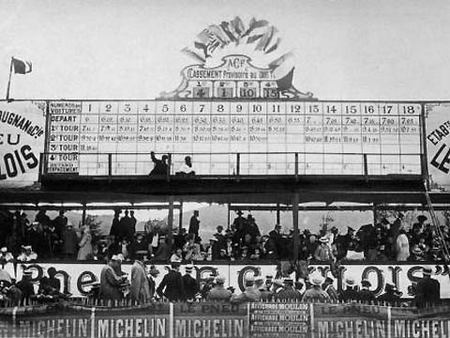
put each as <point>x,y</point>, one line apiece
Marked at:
<point>235,164</point>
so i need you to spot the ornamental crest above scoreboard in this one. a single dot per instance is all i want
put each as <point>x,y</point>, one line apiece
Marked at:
<point>238,60</point>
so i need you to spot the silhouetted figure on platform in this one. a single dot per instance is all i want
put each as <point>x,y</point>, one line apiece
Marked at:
<point>161,167</point>
<point>186,168</point>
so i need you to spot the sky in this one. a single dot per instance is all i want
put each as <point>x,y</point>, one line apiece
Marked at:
<point>344,49</point>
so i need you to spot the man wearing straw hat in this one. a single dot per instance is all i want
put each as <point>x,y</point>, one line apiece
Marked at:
<point>288,292</point>
<point>250,294</point>
<point>111,283</point>
<point>190,284</point>
<point>350,293</point>
<point>139,288</point>
<point>218,292</point>
<point>316,294</point>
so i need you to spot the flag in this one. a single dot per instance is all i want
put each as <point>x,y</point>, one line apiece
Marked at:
<point>21,67</point>
<point>285,82</point>
<point>192,54</point>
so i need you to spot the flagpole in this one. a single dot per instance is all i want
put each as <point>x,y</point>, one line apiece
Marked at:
<point>9,80</point>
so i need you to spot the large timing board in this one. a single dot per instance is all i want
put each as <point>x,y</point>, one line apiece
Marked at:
<point>329,137</point>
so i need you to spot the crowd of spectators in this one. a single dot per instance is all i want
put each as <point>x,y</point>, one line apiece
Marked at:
<point>141,287</point>
<point>44,238</point>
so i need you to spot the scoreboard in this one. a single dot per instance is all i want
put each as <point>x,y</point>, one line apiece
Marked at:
<point>329,137</point>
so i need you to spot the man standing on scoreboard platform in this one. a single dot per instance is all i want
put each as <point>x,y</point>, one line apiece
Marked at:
<point>161,167</point>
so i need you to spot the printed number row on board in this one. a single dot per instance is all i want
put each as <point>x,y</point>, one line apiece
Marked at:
<point>183,107</point>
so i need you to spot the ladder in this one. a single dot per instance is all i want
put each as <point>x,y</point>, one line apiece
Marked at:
<point>436,225</point>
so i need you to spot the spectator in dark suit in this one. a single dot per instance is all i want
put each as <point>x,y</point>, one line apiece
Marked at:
<point>171,286</point>
<point>26,286</point>
<point>365,295</point>
<point>428,290</point>
<point>191,286</point>
<point>194,224</point>
<point>152,275</point>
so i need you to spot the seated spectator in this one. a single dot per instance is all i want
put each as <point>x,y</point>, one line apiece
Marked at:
<point>194,254</point>
<point>177,256</point>
<point>417,255</point>
<point>179,239</point>
<point>354,253</point>
<point>323,251</point>
<point>163,251</point>
<point>5,256</point>
<point>402,246</point>
<point>139,247</point>
<point>27,255</point>
<point>186,168</point>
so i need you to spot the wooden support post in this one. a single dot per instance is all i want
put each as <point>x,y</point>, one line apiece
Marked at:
<point>170,222</point>
<point>228,216</point>
<point>295,200</point>
<point>375,215</point>
<point>83,216</point>
<point>180,219</point>
<point>278,213</point>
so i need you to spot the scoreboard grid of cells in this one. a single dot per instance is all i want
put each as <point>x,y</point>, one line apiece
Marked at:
<point>329,137</point>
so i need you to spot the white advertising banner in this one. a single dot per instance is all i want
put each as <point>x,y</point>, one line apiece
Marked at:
<point>79,278</point>
<point>437,117</point>
<point>22,134</point>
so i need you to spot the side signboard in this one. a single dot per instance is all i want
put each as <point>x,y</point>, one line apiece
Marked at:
<point>22,134</point>
<point>437,117</point>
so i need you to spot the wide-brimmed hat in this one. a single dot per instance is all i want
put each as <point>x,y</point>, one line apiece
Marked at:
<point>417,251</point>
<point>4,249</point>
<point>249,279</point>
<point>350,281</point>
<point>422,218</point>
<point>278,282</point>
<point>365,282</point>
<point>427,271</point>
<point>27,247</point>
<point>153,270</point>
<point>316,279</point>
<point>324,239</point>
<point>189,268</point>
<point>220,279</point>
<point>288,281</point>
